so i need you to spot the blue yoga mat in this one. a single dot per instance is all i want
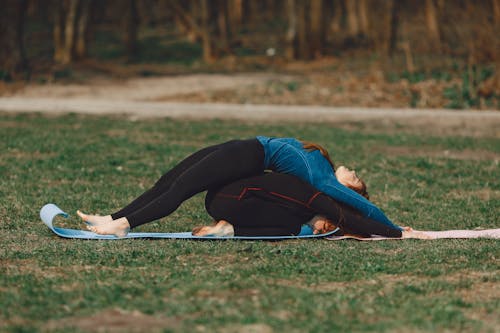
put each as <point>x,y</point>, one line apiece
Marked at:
<point>50,211</point>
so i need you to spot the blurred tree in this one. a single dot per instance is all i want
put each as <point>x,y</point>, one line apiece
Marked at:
<point>130,25</point>
<point>336,19</point>
<point>364,24</point>
<point>351,18</point>
<point>82,30</point>
<point>317,21</point>
<point>496,11</point>
<point>252,12</point>
<point>223,25</point>
<point>209,22</point>
<point>291,33</point>
<point>235,9</point>
<point>491,86</point>
<point>187,18</point>
<point>395,11</point>
<point>306,29</point>
<point>12,53</point>
<point>64,30</point>
<point>431,19</point>
<point>206,32</point>
<point>70,30</point>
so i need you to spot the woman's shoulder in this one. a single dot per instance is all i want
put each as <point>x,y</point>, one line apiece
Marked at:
<point>274,139</point>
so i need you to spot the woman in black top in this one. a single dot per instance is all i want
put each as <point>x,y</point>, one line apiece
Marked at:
<point>275,204</point>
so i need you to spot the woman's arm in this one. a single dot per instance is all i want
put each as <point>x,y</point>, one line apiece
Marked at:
<point>344,194</point>
<point>349,219</point>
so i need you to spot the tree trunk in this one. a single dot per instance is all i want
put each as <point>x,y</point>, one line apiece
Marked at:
<point>252,11</point>
<point>235,13</point>
<point>394,24</point>
<point>303,48</point>
<point>496,12</point>
<point>352,18</point>
<point>188,19</point>
<point>496,40</point>
<point>317,28</point>
<point>223,25</point>
<point>336,20</point>
<point>431,19</point>
<point>82,30</point>
<point>12,53</point>
<point>131,23</point>
<point>291,33</point>
<point>68,51</point>
<point>58,31</point>
<point>364,25</point>
<point>406,47</point>
<point>208,49</point>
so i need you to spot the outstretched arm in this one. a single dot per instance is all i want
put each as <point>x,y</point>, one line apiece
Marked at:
<point>344,194</point>
<point>349,219</point>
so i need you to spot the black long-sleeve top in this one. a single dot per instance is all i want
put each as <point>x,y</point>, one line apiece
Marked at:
<point>280,204</point>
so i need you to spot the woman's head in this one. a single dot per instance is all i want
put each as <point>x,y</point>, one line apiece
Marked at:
<point>349,179</point>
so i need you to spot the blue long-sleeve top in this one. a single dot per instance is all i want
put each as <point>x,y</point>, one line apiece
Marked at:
<point>287,155</point>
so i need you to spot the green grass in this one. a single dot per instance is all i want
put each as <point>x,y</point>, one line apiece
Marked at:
<point>99,163</point>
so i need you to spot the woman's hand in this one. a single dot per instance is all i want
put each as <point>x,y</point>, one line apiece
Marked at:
<point>409,232</point>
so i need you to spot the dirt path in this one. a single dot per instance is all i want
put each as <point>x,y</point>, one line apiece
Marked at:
<point>138,98</point>
<point>146,89</point>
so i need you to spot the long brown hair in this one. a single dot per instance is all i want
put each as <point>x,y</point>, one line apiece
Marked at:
<point>310,146</point>
<point>361,190</point>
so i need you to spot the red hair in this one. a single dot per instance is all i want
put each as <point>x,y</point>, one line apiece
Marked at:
<point>310,146</point>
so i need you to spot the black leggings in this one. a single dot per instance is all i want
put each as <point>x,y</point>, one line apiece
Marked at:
<point>208,168</point>
<point>277,204</point>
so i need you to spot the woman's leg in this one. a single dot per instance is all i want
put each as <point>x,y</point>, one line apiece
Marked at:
<point>164,182</point>
<point>253,212</point>
<point>231,161</point>
<point>159,187</point>
<point>254,216</point>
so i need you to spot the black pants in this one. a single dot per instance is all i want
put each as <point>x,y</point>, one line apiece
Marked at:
<point>276,204</point>
<point>208,168</point>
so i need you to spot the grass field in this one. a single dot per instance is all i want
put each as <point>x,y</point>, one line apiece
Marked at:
<point>99,163</point>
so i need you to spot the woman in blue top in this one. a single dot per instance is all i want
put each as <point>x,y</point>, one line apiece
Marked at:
<point>222,164</point>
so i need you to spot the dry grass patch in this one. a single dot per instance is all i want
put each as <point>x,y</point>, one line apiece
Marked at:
<point>251,328</point>
<point>223,295</point>
<point>115,320</point>
<point>388,281</point>
<point>485,194</point>
<point>30,266</point>
<point>30,155</point>
<point>466,154</point>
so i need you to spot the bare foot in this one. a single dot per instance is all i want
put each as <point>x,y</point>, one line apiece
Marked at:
<point>94,218</point>
<point>221,229</point>
<point>119,227</point>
